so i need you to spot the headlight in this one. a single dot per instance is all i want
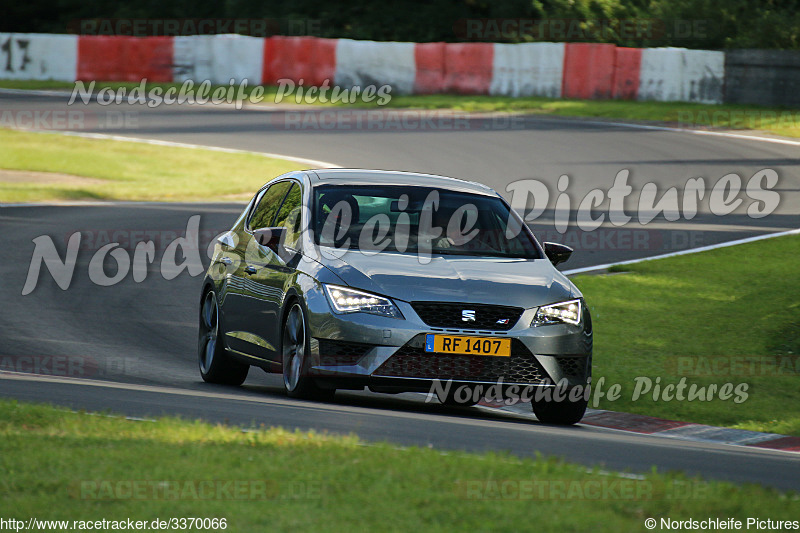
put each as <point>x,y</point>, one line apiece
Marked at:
<point>561,313</point>
<point>345,300</point>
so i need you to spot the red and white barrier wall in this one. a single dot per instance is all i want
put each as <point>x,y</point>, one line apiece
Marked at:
<point>556,70</point>
<point>218,58</point>
<point>38,56</point>
<point>678,74</point>
<point>530,69</point>
<point>124,58</point>
<point>309,59</point>
<point>375,63</point>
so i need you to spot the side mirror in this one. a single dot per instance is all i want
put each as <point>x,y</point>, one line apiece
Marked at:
<point>270,237</point>
<point>557,253</point>
<point>227,240</point>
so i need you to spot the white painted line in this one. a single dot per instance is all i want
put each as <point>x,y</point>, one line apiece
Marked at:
<point>688,433</point>
<point>300,404</point>
<point>76,203</point>
<point>605,433</point>
<point>313,162</point>
<point>133,203</point>
<point>38,92</point>
<point>774,140</point>
<point>324,164</point>
<point>683,252</point>
<point>246,104</point>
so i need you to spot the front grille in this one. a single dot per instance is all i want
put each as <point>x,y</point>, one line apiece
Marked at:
<point>572,366</point>
<point>451,315</point>
<point>412,361</point>
<point>332,352</point>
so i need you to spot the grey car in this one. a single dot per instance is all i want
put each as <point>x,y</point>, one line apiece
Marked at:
<point>398,282</point>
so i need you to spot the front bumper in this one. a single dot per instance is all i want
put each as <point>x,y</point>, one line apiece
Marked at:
<point>367,350</point>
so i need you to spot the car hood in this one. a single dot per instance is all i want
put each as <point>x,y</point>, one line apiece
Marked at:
<point>489,280</point>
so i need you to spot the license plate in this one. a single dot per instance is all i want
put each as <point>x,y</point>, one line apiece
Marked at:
<point>490,346</point>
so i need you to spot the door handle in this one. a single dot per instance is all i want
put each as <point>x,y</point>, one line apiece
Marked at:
<point>249,269</point>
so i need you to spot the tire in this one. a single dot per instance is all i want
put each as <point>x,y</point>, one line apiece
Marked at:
<point>563,413</point>
<point>216,364</point>
<point>455,399</point>
<point>295,346</point>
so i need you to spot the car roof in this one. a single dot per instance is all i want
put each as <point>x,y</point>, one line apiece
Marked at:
<point>356,176</point>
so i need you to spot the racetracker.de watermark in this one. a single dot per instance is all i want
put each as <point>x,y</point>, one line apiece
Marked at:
<point>393,120</point>
<point>68,119</point>
<point>71,366</point>
<point>583,29</point>
<point>176,27</point>
<point>733,365</point>
<point>196,489</point>
<point>602,489</point>
<point>613,239</point>
<point>753,119</point>
<point>184,253</point>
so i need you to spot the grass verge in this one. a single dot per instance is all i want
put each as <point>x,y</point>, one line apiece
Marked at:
<point>775,120</point>
<point>121,170</point>
<point>730,315</point>
<point>62,465</point>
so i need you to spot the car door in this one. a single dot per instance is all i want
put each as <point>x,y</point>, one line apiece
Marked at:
<point>274,271</point>
<point>250,307</point>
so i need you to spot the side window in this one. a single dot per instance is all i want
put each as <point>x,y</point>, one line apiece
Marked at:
<point>264,213</point>
<point>289,216</point>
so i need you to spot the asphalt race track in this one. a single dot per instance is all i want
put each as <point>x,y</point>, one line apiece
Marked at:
<point>137,341</point>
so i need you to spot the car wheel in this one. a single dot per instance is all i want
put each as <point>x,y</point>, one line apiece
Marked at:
<point>563,412</point>
<point>216,365</point>
<point>454,398</point>
<point>294,352</point>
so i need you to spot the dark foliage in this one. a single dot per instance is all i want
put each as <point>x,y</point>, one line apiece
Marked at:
<point>708,24</point>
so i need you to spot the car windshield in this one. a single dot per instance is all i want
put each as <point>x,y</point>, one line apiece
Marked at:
<point>413,220</point>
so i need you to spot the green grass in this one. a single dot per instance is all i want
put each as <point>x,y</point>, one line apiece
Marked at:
<point>56,464</point>
<point>129,171</point>
<point>775,120</point>
<point>785,427</point>
<point>736,302</point>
